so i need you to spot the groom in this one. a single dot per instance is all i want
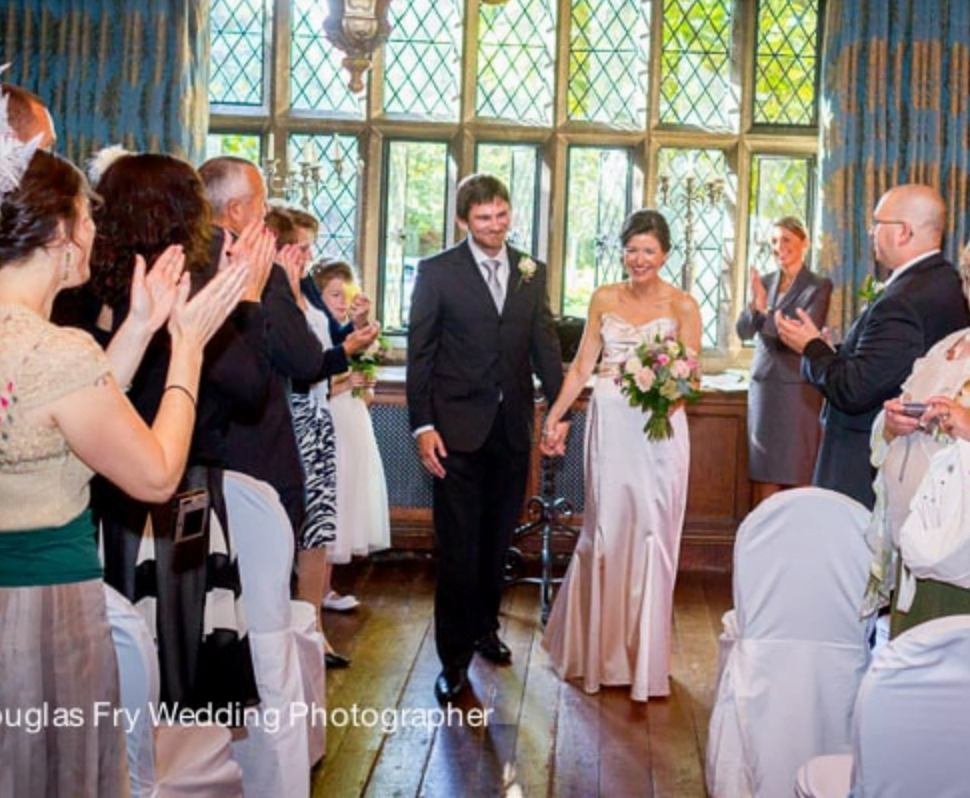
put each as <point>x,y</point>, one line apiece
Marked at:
<point>480,325</point>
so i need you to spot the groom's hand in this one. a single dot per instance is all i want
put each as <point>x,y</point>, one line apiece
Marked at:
<point>431,450</point>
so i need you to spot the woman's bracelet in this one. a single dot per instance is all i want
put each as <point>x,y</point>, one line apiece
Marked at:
<point>176,387</point>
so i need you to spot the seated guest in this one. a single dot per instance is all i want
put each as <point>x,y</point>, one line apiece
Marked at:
<point>63,417</point>
<point>182,575</point>
<point>783,428</point>
<point>916,443</point>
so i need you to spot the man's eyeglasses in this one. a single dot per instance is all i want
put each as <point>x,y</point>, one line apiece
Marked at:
<point>876,222</point>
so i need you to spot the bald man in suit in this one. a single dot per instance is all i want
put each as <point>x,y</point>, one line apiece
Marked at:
<point>922,303</point>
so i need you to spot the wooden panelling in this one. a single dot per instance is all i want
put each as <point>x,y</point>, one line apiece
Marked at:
<point>719,491</point>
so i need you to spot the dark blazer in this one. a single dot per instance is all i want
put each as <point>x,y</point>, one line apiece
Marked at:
<point>920,307</point>
<point>463,355</point>
<point>773,360</point>
<point>263,443</point>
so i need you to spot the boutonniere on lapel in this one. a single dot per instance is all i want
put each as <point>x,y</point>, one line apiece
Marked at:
<point>871,290</point>
<point>527,270</point>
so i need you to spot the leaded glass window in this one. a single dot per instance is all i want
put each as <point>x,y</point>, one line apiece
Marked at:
<point>780,186</point>
<point>325,182</point>
<point>695,80</point>
<point>414,206</point>
<point>608,41</point>
<point>237,144</point>
<point>318,80</point>
<point>786,62</point>
<point>516,165</point>
<point>691,195</point>
<point>238,53</point>
<point>598,199</point>
<point>423,56</point>
<point>568,102</point>
<point>515,61</point>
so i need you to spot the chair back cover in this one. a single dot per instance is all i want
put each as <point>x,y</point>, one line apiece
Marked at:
<point>139,681</point>
<point>263,536</point>
<point>275,751</point>
<point>790,676</point>
<point>912,715</point>
<point>168,761</point>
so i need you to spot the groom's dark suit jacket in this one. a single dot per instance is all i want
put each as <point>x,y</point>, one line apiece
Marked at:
<point>924,304</point>
<point>463,355</point>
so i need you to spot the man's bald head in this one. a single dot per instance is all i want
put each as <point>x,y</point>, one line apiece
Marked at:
<point>909,222</point>
<point>28,116</point>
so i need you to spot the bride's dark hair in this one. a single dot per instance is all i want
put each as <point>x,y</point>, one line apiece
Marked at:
<point>646,220</point>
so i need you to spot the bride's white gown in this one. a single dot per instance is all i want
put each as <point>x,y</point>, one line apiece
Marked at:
<point>611,620</point>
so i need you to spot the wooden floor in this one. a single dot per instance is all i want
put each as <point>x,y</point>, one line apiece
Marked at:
<point>542,738</point>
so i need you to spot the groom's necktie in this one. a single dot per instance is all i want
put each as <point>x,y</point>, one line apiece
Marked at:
<point>491,268</point>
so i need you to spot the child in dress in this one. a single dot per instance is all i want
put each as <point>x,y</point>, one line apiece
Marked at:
<point>363,519</point>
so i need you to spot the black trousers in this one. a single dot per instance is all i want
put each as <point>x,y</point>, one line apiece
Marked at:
<point>476,506</point>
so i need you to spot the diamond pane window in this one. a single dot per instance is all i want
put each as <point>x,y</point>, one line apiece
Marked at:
<point>240,145</point>
<point>237,52</point>
<point>333,198</point>
<point>608,44</point>
<point>695,74</point>
<point>516,165</point>
<point>597,201</point>
<point>423,59</point>
<point>417,173</point>
<point>779,187</point>
<point>786,62</point>
<point>318,80</point>
<point>701,240</point>
<point>515,61</point>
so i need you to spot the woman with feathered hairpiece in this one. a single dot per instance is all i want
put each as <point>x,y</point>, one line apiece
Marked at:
<point>63,416</point>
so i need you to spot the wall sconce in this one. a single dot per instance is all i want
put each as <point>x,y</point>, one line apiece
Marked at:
<point>357,28</point>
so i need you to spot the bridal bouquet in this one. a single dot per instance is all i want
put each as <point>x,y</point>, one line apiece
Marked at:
<point>366,362</point>
<point>660,374</point>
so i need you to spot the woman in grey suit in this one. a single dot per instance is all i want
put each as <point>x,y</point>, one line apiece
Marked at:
<point>783,428</point>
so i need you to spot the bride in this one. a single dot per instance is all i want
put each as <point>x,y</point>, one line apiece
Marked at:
<point>610,623</point>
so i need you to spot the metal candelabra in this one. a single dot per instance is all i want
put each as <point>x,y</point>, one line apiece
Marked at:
<point>692,192</point>
<point>548,518</point>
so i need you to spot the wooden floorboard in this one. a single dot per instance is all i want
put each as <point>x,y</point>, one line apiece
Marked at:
<point>542,738</point>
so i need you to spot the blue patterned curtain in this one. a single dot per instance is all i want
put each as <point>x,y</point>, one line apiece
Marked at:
<point>896,93</point>
<point>129,72</point>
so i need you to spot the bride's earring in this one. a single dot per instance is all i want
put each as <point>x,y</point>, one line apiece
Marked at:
<point>66,273</point>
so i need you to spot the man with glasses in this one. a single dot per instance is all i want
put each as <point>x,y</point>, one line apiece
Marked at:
<point>922,302</point>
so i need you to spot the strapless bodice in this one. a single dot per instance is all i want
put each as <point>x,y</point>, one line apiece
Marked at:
<point>621,338</point>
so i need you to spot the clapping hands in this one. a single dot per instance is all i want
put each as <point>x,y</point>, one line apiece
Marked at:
<point>255,249</point>
<point>153,294</point>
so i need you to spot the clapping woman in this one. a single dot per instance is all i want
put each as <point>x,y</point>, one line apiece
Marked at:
<point>63,416</point>
<point>783,426</point>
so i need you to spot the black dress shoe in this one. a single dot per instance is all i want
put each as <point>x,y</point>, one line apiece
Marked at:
<point>493,649</point>
<point>334,660</point>
<point>449,684</point>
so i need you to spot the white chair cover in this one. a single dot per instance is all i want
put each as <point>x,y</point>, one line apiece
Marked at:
<point>168,761</point>
<point>276,753</point>
<point>310,646</point>
<point>794,650</point>
<point>912,719</point>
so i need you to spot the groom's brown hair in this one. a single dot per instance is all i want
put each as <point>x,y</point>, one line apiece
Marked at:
<point>479,189</point>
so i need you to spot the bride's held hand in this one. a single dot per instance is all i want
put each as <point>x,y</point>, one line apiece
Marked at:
<point>553,442</point>
<point>195,321</point>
